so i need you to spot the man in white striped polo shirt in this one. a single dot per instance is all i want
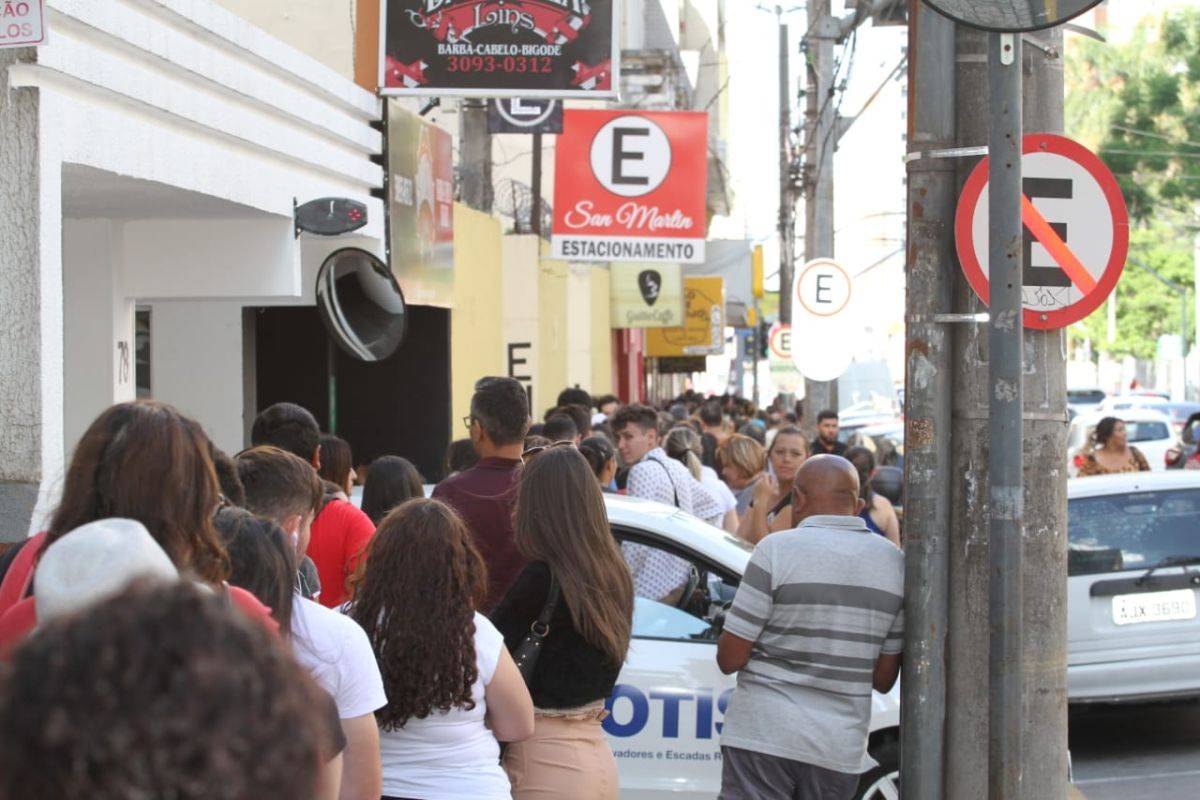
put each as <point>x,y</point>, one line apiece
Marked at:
<point>817,623</point>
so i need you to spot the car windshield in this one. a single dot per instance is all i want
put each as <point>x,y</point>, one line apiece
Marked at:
<point>1085,396</point>
<point>1133,530</point>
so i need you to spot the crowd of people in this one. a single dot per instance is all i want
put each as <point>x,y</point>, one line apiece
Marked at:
<point>194,625</point>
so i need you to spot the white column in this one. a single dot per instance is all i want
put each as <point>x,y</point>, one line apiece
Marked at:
<point>98,325</point>
<point>31,306</point>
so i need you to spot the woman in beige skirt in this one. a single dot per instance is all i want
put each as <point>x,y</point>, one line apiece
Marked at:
<point>562,528</point>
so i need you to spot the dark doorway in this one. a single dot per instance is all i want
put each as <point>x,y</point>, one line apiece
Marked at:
<point>399,406</point>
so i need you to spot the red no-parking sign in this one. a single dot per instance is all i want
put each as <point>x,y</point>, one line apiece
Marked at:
<point>1076,231</point>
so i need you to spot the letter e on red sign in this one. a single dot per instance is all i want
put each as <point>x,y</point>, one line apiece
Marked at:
<point>631,186</point>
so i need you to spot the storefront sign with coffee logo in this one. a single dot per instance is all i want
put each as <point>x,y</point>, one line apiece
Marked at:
<point>646,295</point>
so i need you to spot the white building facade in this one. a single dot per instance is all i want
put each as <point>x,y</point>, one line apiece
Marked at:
<point>152,153</point>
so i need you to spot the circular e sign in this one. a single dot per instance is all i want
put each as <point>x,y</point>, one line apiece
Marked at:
<point>823,287</point>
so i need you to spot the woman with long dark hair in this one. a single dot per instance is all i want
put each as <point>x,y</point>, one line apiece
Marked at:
<point>263,562</point>
<point>602,458</point>
<point>576,572</point>
<point>1111,451</point>
<point>452,688</point>
<point>337,464</point>
<point>878,513</point>
<point>144,461</point>
<point>391,480</point>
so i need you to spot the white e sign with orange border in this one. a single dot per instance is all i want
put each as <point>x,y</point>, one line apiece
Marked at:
<point>821,295</point>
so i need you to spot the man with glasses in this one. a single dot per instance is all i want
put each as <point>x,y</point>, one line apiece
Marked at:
<point>484,495</point>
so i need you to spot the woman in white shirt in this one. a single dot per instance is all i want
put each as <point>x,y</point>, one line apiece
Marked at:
<point>453,690</point>
<point>683,444</point>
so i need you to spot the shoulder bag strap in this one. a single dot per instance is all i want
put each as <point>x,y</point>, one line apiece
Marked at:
<point>527,652</point>
<point>671,481</point>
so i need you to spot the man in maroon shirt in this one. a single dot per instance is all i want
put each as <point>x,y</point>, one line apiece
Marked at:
<point>484,494</point>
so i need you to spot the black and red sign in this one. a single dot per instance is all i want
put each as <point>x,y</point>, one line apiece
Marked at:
<point>500,48</point>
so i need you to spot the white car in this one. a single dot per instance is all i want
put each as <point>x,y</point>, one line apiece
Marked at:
<point>1149,430</point>
<point>666,710</point>
<point>1085,400</point>
<point>1120,402</point>
<point>1133,586</point>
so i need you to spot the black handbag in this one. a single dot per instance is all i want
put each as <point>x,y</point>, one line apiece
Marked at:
<point>527,652</point>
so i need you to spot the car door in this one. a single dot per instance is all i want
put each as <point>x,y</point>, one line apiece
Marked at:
<point>665,713</point>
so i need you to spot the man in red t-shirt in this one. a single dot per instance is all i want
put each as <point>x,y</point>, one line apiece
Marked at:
<point>485,494</point>
<point>340,532</point>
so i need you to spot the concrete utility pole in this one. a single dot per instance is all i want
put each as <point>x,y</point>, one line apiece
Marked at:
<point>928,372</point>
<point>1043,761</point>
<point>820,141</point>
<point>475,155</point>
<point>787,198</point>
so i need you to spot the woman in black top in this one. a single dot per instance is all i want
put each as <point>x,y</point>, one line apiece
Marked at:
<point>562,528</point>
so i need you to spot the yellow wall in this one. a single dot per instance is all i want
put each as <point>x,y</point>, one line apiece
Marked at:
<point>552,316</point>
<point>602,377</point>
<point>476,323</point>
<point>551,377</point>
<point>575,341</point>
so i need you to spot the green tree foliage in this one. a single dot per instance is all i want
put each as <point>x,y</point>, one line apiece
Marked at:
<point>1146,309</point>
<point>1138,105</point>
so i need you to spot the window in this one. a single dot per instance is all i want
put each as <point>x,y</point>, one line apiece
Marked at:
<point>1085,396</point>
<point>1131,531</point>
<point>695,610</point>
<point>141,335</point>
<point>1146,431</point>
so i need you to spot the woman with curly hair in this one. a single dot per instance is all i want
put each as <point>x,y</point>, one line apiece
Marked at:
<point>576,572</point>
<point>147,462</point>
<point>159,691</point>
<point>452,688</point>
<point>1111,451</point>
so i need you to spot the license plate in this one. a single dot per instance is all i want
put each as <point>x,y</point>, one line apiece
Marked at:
<point>1133,609</point>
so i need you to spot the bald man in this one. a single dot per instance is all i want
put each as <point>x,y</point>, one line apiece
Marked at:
<point>817,623</point>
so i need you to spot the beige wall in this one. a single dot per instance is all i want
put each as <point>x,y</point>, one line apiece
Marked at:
<point>521,300</point>
<point>552,342</point>
<point>324,29</point>
<point>477,321</point>
<point>575,343</point>
<point>602,363</point>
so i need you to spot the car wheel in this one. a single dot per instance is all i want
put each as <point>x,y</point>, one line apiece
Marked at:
<point>883,782</point>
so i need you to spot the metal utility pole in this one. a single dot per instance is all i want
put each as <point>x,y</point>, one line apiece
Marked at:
<point>787,200</point>
<point>1005,487</point>
<point>820,141</point>
<point>535,179</point>
<point>1041,762</point>
<point>475,155</point>
<point>928,371</point>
